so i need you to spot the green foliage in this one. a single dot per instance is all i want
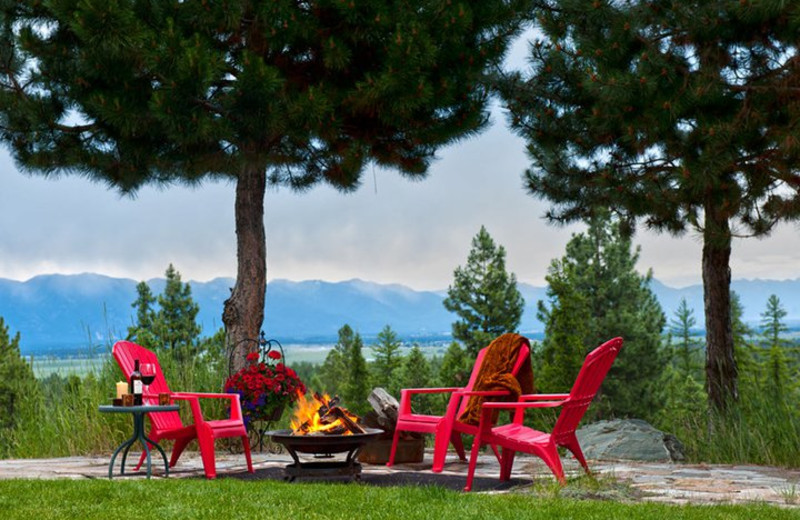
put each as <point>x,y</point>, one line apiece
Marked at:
<point>357,383</point>
<point>679,115</point>
<point>257,91</point>
<point>596,294</point>
<point>18,389</point>
<point>142,332</point>
<point>333,372</point>
<point>416,373</point>
<point>685,354</point>
<point>484,296</point>
<point>777,365</point>
<point>681,390</point>
<point>387,361</point>
<point>745,351</point>
<point>173,326</point>
<point>456,366</point>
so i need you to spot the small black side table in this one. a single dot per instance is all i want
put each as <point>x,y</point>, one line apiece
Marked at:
<point>138,434</point>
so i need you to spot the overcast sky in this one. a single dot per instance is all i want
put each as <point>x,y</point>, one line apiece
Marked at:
<point>391,230</point>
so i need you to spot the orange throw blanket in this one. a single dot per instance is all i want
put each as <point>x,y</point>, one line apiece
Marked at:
<point>496,374</point>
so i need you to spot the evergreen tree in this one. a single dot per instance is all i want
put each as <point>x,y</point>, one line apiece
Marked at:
<point>456,367</point>
<point>387,361</point>
<point>566,330</point>
<point>142,331</point>
<point>416,373</point>
<point>681,115</point>
<point>333,373</point>
<point>682,388</point>
<point>255,91</point>
<point>173,326</point>
<point>596,294</point>
<point>684,355</point>
<point>18,387</point>
<point>776,367</point>
<point>357,382</point>
<point>175,323</point>
<point>746,358</point>
<point>484,296</point>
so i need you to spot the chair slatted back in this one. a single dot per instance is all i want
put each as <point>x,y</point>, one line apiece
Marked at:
<point>125,353</point>
<point>524,352</point>
<point>591,376</point>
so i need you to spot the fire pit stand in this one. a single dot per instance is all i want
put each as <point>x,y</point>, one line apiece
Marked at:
<point>322,447</point>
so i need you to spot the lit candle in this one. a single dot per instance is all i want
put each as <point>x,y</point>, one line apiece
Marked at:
<point>122,388</point>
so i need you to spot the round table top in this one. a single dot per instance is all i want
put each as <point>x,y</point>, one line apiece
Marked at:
<point>145,408</point>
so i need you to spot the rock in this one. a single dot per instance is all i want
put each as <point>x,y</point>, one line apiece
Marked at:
<point>628,439</point>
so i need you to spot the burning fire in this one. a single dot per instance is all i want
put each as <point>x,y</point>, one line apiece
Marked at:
<point>322,415</point>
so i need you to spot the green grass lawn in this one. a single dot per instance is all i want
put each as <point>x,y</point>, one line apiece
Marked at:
<point>231,499</point>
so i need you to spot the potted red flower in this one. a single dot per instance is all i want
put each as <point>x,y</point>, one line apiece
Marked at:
<point>265,387</point>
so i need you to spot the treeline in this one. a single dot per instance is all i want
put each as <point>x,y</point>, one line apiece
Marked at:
<point>594,293</point>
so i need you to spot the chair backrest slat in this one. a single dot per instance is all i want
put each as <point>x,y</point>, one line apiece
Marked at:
<point>591,376</point>
<point>126,353</point>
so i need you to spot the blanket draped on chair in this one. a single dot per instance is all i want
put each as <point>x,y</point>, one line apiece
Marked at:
<point>496,374</point>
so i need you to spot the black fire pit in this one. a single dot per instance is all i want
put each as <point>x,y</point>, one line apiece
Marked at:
<point>323,447</point>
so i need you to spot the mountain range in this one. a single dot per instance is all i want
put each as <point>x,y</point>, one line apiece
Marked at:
<point>70,314</point>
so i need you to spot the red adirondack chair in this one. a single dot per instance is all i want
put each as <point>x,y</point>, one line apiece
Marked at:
<point>516,437</point>
<point>447,428</point>
<point>168,425</point>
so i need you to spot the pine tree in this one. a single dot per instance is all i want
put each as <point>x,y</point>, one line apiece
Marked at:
<point>256,91</point>
<point>746,357</point>
<point>682,388</point>
<point>680,115</point>
<point>416,373</point>
<point>777,366</point>
<point>685,352</point>
<point>175,323</point>
<point>484,296</point>
<point>357,382</point>
<point>142,331</point>
<point>387,361</point>
<point>333,373</point>
<point>456,367</point>
<point>596,294</point>
<point>18,387</point>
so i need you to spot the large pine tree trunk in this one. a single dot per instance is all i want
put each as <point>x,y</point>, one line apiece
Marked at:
<point>721,372</point>
<point>244,310</point>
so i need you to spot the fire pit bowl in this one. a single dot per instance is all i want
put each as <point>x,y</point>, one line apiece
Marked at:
<point>323,445</point>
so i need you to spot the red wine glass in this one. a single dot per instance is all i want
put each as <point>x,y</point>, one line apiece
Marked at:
<point>148,371</point>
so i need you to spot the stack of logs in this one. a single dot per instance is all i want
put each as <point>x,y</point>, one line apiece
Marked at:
<point>410,446</point>
<point>384,415</point>
<point>340,419</point>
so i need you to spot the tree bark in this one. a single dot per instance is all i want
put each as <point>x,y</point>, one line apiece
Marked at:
<point>243,312</point>
<point>721,371</point>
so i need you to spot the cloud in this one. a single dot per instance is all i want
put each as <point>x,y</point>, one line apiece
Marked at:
<point>390,230</point>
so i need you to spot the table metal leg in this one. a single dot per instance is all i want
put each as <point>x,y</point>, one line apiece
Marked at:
<point>126,444</point>
<point>138,434</point>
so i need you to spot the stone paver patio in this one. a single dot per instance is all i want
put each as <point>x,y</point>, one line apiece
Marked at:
<point>647,481</point>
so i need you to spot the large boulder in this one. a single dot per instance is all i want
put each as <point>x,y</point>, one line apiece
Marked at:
<point>629,439</point>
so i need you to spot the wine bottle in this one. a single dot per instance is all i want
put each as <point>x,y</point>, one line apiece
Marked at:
<point>136,384</point>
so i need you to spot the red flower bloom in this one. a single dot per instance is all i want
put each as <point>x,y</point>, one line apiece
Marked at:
<point>264,385</point>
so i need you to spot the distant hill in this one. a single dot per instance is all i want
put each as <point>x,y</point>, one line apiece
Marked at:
<point>61,314</point>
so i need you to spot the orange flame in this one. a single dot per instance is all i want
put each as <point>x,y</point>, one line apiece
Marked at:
<point>307,421</point>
